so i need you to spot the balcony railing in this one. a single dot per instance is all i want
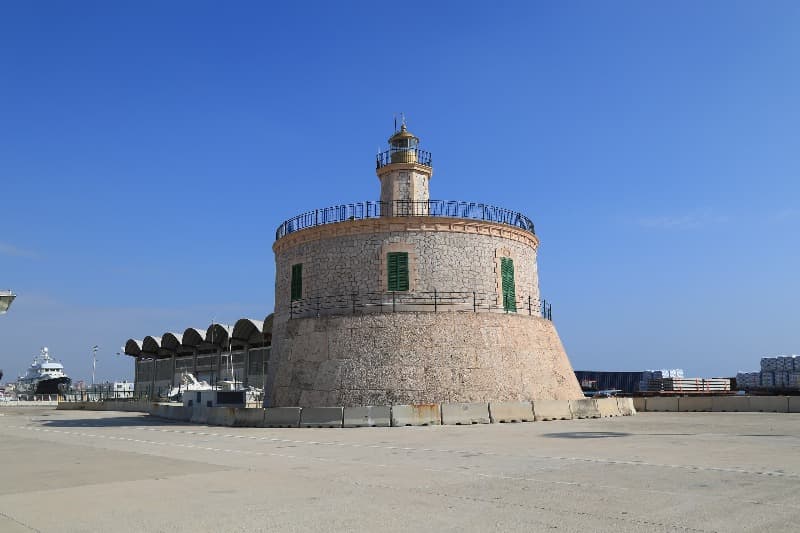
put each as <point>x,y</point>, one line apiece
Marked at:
<point>424,301</point>
<point>404,208</point>
<point>403,155</point>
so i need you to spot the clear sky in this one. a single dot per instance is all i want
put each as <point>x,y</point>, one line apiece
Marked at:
<point>148,151</point>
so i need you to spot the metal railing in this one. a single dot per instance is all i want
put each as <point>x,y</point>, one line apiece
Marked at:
<point>403,155</point>
<point>426,301</point>
<point>405,208</point>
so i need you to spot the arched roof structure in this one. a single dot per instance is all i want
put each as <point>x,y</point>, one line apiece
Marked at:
<point>151,345</point>
<point>218,334</point>
<point>193,337</point>
<point>248,331</point>
<point>133,347</point>
<point>171,341</point>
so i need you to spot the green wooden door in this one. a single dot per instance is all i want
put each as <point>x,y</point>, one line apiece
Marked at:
<point>507,275</point>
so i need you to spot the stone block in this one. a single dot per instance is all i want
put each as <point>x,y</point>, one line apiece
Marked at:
<point>282,417</point>
<point>321,417</point>
<point>584,408</point>
<point>662,403</point>
<point>769,404</point>
<point>465,413</point>
<point>608,407</point>
<point>249,417</point>
<point>639,403</point>
<point>626,407</point>
<point>730,403</point>
<point>511,411</point>
<point>551,410</point>
<point>368,416</point>
<point>428,414</point>
<point>794,403</point>
<point>694,404</point>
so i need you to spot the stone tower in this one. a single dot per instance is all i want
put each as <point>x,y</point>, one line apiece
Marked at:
<point>405,176</point>
<point>410,300</point>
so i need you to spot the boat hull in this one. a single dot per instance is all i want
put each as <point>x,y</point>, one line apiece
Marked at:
<point>51,386</point>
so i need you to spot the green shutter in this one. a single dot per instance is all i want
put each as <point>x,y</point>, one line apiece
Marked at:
<point>297,281</point>
<point>509,293</point>
<point>397,271</point>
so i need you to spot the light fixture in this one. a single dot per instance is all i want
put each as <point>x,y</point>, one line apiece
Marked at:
<point>6,297</point>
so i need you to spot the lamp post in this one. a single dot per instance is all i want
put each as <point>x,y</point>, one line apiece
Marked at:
<point>94,362</point>
<point>6,297</point>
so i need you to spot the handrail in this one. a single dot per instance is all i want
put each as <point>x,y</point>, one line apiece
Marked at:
<point>405,208</point>
<point>422,301</point>
<point>403,155</point>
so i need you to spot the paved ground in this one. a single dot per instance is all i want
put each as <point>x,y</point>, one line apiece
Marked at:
<point>102,471</point>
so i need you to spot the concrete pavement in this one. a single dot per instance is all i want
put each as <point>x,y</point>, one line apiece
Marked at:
<point>107,471</point>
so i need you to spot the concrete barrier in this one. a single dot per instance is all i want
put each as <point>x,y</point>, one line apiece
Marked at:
<point>769,404</point>
<point>626,407</point>
<point>248,417</point>
<point>584,408</point>
<point>221,416</point>
<point>456,414</point>
<point>794,404</point>
<point>368,416</point>
<point>511,412</point>
<point>176,412</point>
<point>428,414</point>
<point>730,404</point>
<point>689,404</point>
<point>662,403</point>
<point>639,403</point>
<point>608,407</point>
<point>321,417</point>
<point>198,414</point>
<point>551,410</point>
<point>71,406</point>
<point>282,417</point>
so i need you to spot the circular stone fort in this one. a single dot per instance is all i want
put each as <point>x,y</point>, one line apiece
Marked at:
<point>409,300</point>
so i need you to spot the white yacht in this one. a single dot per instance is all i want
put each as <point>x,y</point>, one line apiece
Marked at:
<point>44,376</point>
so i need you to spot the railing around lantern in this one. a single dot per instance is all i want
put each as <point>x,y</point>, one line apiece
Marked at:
<point>405,208</point>
<point>425,301</point>
<point>403,155</point>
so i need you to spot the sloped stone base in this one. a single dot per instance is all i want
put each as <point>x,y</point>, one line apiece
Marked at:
<point>418,358</point>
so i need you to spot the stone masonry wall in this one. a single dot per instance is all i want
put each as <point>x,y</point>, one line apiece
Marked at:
<point>438,260</point>
<point>407,358</point>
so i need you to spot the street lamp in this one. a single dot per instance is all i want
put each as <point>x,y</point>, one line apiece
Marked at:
<point>94,361</point>
<point>6,297</point>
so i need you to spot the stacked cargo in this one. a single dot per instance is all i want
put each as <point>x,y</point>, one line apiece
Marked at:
<point>696,384</point>
<point>748,380</point>
<point>781,372</point>
<point>651,379</point>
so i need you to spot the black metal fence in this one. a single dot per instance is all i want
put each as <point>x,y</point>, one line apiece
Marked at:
<point>405,208</point>
<point>403,155</point>
<point>107,394</point>
<point>426,301</point>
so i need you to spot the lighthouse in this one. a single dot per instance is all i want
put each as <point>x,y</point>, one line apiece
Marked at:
<point>409,300</point>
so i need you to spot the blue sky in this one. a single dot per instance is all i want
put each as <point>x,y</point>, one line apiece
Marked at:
<point>148,151</point>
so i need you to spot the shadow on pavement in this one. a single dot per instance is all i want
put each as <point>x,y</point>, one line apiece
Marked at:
<point>106,422</point>
<point>586,435</point>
